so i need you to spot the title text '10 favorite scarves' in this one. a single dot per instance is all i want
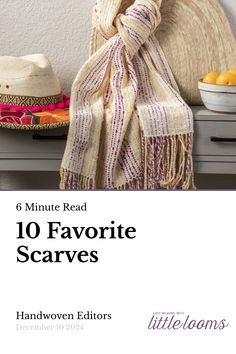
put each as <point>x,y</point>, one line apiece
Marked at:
<point>129,129</point>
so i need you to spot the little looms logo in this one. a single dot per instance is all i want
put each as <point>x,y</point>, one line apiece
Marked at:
<point>180,321</point>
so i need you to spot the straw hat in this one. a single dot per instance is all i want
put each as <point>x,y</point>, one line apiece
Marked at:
<point>196,38</point>
<point>30,94</point>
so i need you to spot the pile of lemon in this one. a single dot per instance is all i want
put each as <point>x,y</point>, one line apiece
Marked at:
<point>226,78</point>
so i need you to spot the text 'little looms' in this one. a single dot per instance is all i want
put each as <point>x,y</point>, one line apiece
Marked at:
<point>113,231</point>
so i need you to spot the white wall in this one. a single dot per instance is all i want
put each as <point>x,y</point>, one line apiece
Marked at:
<point>58,28</point>
<point>230,9</point>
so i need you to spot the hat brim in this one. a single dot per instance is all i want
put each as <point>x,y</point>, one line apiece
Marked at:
<point>28,120</point>
<point>33,126</point>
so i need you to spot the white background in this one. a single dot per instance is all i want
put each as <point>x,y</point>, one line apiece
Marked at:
<point>183,259</point>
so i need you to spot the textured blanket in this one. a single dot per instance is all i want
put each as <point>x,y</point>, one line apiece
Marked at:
<point>129,128</point>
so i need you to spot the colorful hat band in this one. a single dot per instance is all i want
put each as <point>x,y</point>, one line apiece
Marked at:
<point>34,104</point>
<point>16,100</point>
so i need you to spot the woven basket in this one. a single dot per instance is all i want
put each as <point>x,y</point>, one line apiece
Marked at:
<point>196,38</point>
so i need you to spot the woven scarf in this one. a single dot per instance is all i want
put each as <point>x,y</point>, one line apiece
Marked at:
<point>129,127</point>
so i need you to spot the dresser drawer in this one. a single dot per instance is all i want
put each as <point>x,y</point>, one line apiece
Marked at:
<point>215,138</point>
<point>36,143</point>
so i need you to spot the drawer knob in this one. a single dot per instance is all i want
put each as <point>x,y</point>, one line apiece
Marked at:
<point>216,139</point>
<point>49,137</point>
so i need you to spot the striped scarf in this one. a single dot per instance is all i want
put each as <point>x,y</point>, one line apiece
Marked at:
<point>129,128</point>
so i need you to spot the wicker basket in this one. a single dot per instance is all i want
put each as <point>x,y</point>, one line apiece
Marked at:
<point>196,38</point>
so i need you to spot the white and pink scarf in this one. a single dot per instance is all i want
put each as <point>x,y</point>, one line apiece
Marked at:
<point>129,128</point>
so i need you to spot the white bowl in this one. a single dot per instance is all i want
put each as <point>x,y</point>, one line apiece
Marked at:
<point>218,98</point>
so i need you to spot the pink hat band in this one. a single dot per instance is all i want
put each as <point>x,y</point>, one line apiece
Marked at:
<point>34,104</point>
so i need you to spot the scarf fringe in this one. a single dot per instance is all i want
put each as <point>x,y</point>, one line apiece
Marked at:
<point>73,181</point>
<point>167,163</point>
<point>131,185</point>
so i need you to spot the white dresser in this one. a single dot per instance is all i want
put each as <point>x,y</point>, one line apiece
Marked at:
<point>215,142</point>
<point>214,148</point>
<point>31,150</point>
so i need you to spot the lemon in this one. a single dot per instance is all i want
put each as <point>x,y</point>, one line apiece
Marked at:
<point>226,78</point>
<point>232,71</point>
<point>211,78</point>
